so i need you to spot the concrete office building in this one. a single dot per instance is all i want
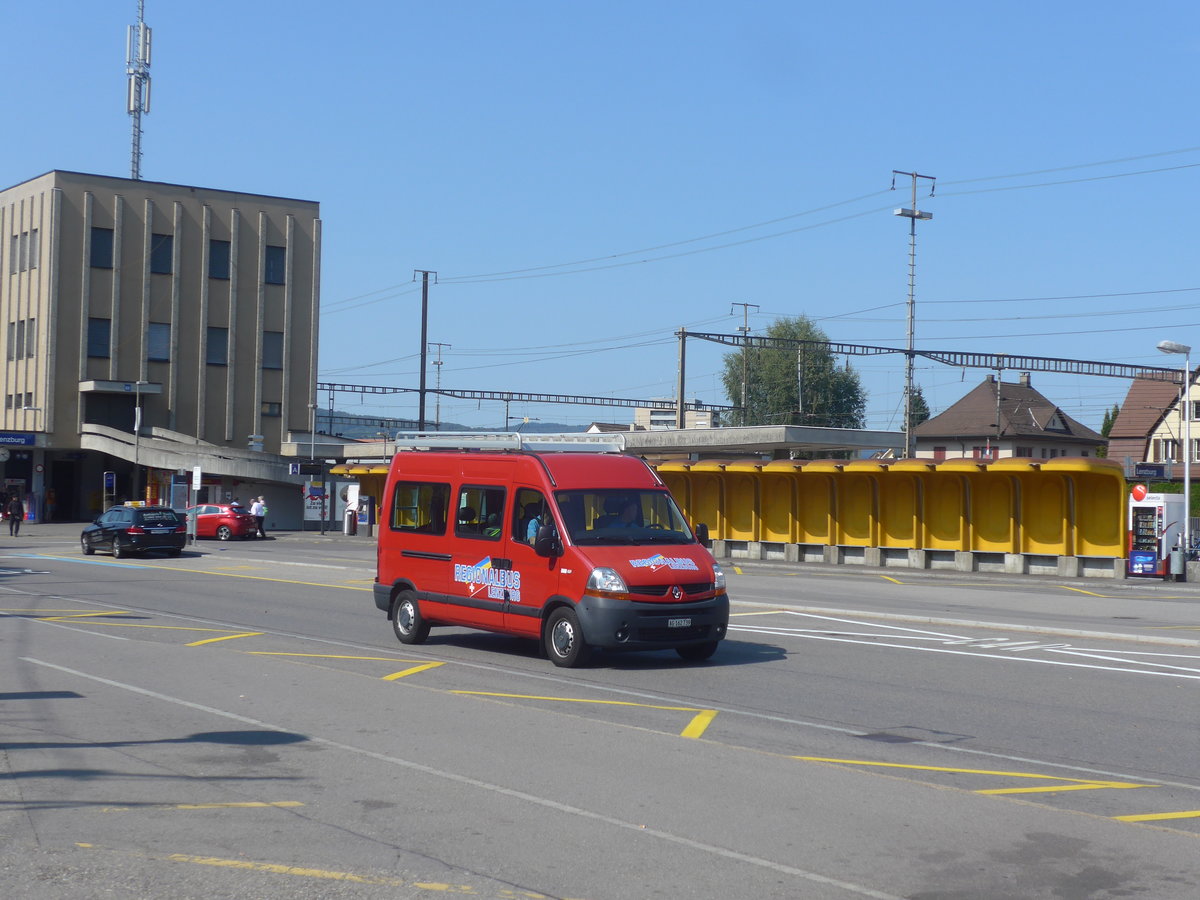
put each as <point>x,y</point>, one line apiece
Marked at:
<point>189,311</point>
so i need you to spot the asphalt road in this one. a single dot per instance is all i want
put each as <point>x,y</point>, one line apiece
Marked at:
<point>240,722</point>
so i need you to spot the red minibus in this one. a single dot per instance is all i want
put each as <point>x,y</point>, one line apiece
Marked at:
<point>546,538</point>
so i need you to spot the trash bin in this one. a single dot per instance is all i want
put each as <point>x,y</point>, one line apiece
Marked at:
<point>1178,565</point>
<point>350,521</point>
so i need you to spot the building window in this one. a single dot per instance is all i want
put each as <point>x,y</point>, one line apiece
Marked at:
<point>22,339</point>
<point>217,351</point>
<point>158,342</point>
<point>218,259</point>
<point>34,249</point>
<point>275,265</point>
<point>98,336</point>
<point>1024,451</point>
<point>102,249</point>
<point>272,357</point>
<point>23,252</point>
<point>162,247</point>
<point>272,409</point>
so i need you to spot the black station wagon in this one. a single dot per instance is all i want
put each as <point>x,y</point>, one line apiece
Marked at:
<point>135,529</point>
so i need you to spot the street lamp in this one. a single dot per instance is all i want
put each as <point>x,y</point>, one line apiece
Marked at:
<point>1185,395</point>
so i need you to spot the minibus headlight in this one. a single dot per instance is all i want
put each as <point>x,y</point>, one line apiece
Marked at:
<point>606,579</point>
<point>718,577</point>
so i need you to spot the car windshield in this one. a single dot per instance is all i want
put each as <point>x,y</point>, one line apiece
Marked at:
<point>613,517</point>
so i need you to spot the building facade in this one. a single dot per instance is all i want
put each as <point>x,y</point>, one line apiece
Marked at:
<point>149,324</point>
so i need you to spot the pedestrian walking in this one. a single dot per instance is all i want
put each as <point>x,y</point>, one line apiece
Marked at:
<point>16,512</point>
<point>258,509</point>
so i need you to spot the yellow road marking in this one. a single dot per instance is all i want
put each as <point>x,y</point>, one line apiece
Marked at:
<point>694,729</point>
<point>323,655</point>
<point>137,625</point>
<point>1082,591</point>
<point>891,579</point>
<point>340,587</point>
<point>1054,789</point>
<point>737,570</point>
<point>1073,784</point>
<point>413,671</point>
<point>228,637</point>
<point>279,804</point>
<point>1158,817</point>
<point>86,615</point>
<point>698,724</point>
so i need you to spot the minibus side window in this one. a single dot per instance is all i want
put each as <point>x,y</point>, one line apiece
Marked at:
<point>419,507</point>
<point>529,513</point>
<point>479,512</point>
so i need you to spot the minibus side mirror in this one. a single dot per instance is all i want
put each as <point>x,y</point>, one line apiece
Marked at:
<point>702,533</point>
<point>547,543</point>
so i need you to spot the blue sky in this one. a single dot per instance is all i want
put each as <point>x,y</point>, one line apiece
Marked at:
<point>635,167</point>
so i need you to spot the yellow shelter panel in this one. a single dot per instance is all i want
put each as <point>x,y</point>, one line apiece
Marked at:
<point>708,497</point>
<point>741,505</point>
<point>899,509</point>
<point>779,521</point>
<point>1044,514</point>
<point>945,511</point>
<point>856,509</point>
<point>678,484</point>
<point>993,512</point>
<point>814,508</point>
<point>1100,517</point>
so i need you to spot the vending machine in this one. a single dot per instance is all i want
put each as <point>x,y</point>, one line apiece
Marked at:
<point>1155,529</point>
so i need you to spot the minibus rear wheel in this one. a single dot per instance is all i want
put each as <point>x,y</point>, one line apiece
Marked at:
<point>407,621</point>
<point>564,639</point>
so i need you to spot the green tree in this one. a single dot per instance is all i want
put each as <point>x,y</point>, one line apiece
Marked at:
<point>790,386</point>
<point>918,410</point>
<point>1110,419</point>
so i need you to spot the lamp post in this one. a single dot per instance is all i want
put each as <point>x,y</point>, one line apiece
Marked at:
<point>137,438</point>
<point>1185,395</point>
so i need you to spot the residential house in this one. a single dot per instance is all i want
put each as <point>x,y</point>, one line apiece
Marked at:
<point>999,419</point>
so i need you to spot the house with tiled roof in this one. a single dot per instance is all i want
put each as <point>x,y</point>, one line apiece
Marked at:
<point>999,419</point>
<point>1149,409</point>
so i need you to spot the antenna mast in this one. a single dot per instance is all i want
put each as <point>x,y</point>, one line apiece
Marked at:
<point>137,66</point>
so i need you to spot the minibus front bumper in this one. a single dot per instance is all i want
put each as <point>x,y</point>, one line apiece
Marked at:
<point>617,624</point>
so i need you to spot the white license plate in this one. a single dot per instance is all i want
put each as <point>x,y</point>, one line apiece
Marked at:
<point>679,623</point>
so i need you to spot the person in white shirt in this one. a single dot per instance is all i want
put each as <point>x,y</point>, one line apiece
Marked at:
<point>258,509</point>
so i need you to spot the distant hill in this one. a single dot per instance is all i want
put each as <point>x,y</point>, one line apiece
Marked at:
<point>357,426</point>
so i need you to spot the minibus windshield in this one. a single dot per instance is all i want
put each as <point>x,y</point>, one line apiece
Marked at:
<point>624,516</point>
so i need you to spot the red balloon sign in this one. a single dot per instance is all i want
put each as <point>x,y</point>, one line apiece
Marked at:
<point>1139,492</point>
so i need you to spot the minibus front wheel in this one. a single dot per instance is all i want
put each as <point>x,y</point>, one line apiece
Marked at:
<point>408,623</point>
<point>564,639</point>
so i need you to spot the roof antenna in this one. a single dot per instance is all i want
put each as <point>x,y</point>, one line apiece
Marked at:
<point>137,66</point>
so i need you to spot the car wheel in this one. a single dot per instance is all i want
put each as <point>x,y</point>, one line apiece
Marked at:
<point>564,639</point>
<point>224,532</point>
<point>120,551</point>
<point>697,652</point>
<point>88,549</point>
<point>408,623</point>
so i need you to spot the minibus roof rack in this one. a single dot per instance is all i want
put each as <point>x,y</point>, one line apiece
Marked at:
<point>570,442</point>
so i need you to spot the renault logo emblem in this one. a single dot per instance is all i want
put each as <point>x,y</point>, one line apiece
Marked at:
<point>676,593</point>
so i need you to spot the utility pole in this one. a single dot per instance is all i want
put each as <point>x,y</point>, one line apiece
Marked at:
<point>437,417</point>
<point>912,214</point>
<point>744,328</point>
<point>137,66</point>
<point>424,339</point>
<point>680,417</point>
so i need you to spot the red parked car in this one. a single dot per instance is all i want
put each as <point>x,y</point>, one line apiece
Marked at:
<point>223,522</point>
